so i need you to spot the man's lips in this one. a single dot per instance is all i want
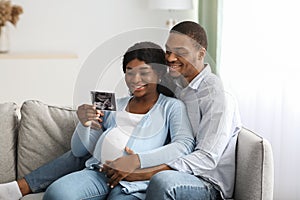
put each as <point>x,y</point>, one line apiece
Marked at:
<point>174,67</point>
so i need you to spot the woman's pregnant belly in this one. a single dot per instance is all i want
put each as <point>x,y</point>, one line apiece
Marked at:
<point>114,144</point>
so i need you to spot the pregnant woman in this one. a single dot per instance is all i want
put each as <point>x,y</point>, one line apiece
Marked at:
<point>153,126</point>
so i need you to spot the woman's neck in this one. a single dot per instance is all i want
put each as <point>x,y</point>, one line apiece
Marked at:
<point>141,105</point>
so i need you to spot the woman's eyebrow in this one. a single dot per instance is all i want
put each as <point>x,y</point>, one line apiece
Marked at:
<point>143,67</point>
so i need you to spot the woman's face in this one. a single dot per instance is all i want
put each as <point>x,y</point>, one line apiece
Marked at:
<point>140,78</point>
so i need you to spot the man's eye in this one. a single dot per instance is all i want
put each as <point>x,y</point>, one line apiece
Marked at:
<point>181,53</point>
<point>177,53</point>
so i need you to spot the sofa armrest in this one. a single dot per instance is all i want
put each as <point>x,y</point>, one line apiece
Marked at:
<point>254,167</point>
<point>8,138</point>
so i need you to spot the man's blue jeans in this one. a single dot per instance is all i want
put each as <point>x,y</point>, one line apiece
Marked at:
<point>39,179</point>
<point>172,184</point>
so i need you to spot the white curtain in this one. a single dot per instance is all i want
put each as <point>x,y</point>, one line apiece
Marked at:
<point>260,63</point>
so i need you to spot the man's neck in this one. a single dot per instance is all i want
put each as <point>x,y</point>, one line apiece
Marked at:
<point>184,82</point>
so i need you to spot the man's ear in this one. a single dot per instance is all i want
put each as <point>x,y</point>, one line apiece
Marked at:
<point>201,53</point>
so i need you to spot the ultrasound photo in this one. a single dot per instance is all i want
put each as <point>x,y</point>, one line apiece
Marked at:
<point>104,100</point>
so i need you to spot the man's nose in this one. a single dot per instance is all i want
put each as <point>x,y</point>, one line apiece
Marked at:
<point>171,57</point>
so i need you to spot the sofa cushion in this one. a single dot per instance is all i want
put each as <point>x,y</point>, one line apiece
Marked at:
<point>36,196</point>
<point>254,169</point>
<point>8,136</point>
<point>45,132</point>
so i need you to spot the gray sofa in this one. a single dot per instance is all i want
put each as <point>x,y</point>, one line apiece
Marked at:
<point>37,133</point>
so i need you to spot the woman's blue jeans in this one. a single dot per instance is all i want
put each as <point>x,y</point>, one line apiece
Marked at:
<point>66,175</point>
<point>39,179</point>
<point>84,184</point>
<point>172,184</point>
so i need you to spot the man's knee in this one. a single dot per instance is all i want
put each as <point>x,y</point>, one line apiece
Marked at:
<point>162,178</point>
<point>161,185</point>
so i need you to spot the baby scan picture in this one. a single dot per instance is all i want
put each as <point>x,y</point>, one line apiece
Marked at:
<point>104,100</point>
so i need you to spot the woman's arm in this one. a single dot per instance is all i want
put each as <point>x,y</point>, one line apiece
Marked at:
<point>84,138</point>
<point>182,139</point>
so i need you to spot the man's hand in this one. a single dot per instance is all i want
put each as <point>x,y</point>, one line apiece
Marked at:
<point>88,115</point>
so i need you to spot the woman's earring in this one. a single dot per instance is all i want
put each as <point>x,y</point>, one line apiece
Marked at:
<point>159,80</point>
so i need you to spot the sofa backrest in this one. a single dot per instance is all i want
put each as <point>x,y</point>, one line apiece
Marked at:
<point>8,138</point>
<point>254,167</point>
<point>44,133</point>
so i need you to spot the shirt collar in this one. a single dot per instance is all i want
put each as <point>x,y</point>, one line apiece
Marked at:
<point>194,84</point>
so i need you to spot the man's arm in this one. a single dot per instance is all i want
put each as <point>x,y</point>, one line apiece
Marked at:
<point>146,173</point>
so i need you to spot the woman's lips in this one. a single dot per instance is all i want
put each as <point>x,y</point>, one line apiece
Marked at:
<point>138,87</point>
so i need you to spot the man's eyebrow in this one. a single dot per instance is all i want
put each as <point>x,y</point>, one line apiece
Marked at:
<point>176,48</point>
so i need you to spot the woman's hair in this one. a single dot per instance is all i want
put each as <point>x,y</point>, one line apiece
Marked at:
<point>153,55</point>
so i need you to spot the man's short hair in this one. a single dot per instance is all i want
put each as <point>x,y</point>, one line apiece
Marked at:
<point>192,29</point>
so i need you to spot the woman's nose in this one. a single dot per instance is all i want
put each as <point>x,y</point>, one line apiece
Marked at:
<point>136,78</point>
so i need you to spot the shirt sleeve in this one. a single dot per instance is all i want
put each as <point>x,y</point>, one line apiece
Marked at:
<point>84,140</point>
<point>182,139</point>
<point>216,127</point>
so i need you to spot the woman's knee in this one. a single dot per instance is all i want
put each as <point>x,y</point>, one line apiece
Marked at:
<point>78,185</point>
<point>57,191</point>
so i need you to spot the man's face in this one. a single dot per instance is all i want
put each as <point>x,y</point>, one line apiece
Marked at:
<point>182,57</point>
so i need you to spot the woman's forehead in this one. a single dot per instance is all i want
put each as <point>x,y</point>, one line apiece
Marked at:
<point>135,62</point>
<point>142,66</point>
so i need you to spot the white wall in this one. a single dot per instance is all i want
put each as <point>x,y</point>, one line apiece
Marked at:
<point>68,26</point>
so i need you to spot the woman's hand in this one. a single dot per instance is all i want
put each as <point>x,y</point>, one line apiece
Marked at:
<point>88,115</point>
<point>120,168</point>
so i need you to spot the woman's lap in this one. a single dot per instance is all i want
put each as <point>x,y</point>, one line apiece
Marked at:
<point>117,194</point>
<point>84,184</point>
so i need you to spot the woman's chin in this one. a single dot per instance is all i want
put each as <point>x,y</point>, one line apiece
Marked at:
<point>138,93</point>
<point>174,73</point>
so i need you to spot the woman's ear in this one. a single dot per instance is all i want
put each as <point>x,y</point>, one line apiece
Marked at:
<point>159,77</point>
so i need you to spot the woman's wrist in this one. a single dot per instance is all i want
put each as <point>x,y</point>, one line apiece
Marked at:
<point>136,161</point>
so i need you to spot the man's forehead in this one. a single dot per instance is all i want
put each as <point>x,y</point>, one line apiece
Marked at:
<point>178,40</point>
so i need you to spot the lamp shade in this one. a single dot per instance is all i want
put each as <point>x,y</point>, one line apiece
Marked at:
<point>171,4</point>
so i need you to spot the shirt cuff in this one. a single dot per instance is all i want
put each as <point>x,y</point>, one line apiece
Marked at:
<point>82,129</point>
